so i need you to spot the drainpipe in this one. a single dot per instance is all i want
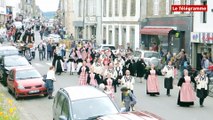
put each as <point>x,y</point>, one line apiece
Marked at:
<point>193,53</point>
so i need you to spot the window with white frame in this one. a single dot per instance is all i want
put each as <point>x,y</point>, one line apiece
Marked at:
<point>116,7</point>
<point>167,7</point>
<point>104,7</point>
<point>2,3</point>
<point>187,2</point>
<point>94,8</point>
<point>124,7</point>
<point>104,32</point>
<point>177,2</point>
<point>132,37</point>
<point>110,8</point>
<point>133,7</point>
<point>79,8</point>
<point>91,7</point>
<point>116,37</point>
<point>156,7</point>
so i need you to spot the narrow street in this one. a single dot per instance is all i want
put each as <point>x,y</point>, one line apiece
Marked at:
<point>40,108</point>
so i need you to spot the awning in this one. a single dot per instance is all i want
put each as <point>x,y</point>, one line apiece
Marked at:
<point>156,31</point>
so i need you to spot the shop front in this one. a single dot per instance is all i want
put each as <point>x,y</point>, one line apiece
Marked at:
<point>202,44</point>
<point>170,34</point>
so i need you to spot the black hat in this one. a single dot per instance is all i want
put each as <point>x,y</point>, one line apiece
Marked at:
<point>124,89</point>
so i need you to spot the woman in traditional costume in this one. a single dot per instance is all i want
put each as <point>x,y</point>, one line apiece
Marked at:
<point>186,96</point>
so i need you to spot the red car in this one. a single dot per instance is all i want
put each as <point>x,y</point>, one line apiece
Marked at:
<point>135,115</point>
<point>25,81</point>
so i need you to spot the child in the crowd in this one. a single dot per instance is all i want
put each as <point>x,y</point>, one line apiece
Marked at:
<point>128,99</point>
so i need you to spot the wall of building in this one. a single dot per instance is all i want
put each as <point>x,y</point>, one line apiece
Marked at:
<point>27,8</point>
<point>120,22</point>
<point>202,29</point>
<point>199,26</point>
<point>2,12</point>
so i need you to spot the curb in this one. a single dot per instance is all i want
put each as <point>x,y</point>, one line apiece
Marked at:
<point>22,114</point>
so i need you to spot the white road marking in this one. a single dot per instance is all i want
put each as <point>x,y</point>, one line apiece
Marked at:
<point>38,65</point>
<point>49,63</point>
<point>42,64</point>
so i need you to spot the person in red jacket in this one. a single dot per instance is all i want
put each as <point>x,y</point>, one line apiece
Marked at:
<point>210,67</point>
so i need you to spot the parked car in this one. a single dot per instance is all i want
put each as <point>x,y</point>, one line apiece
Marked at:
<point>9,62</point>
<point>25,81</point>
<point>150,57</point>
<point>84,40</point>
<point>54,37</point>
<point>81,103</point>
<point>135,115</point>
<point>104,47</point>
<point>8,50</point>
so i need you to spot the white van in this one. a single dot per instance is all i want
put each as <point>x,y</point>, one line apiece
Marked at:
<point>105,47</point>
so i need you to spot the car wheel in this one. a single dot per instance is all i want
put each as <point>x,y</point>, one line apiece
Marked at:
<point>9,90</point>
<point>16,95</point>
<point>4,80</point>
<point>45,95</point>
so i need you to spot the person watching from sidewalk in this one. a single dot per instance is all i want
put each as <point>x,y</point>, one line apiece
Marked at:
<point>205,63</point>
<point>49,81</point>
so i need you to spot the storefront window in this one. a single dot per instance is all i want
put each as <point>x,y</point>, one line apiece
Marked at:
<point>163,43</point>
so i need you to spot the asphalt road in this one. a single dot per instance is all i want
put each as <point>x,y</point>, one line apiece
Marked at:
<point>40,108</point>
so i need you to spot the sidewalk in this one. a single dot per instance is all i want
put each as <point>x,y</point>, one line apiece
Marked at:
<point>22,114</point>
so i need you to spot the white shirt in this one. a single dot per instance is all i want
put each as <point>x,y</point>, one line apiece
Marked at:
<point>202,82</point>
<point>169,71</point>
<point>128,81</point>
<point>97,69</point>
<point>51,75</point>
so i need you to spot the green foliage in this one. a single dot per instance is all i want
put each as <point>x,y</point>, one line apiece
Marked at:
<point>8,110</point>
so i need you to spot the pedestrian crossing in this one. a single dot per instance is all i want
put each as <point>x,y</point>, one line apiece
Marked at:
<point>41,64</point>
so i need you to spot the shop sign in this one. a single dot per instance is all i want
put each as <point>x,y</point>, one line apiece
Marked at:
<point>202,37</point>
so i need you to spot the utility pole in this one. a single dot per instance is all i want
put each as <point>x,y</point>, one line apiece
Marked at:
<point>99,22</point>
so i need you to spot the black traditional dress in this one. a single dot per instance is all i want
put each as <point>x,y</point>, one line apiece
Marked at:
<point>186,96</point>
<point>59,64</point>
<point>140,68</point>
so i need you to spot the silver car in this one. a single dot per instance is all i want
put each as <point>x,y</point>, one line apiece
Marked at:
<point>81,103</point>
<point>150,57</point>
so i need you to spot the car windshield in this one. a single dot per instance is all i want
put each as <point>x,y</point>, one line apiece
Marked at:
<point>9,52</point>
<point>107,47</point>
<point>27,74</point>
<point>151,54</point>
<point>15,61</point>
<point>87,108</point>
<point>137,53</point>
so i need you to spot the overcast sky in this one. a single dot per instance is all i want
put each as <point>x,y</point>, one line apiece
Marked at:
<point>47,5</point>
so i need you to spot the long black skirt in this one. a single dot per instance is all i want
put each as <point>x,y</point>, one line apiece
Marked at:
<point>168,83</point>
<point>202,93</point>
<point>58,66</point>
